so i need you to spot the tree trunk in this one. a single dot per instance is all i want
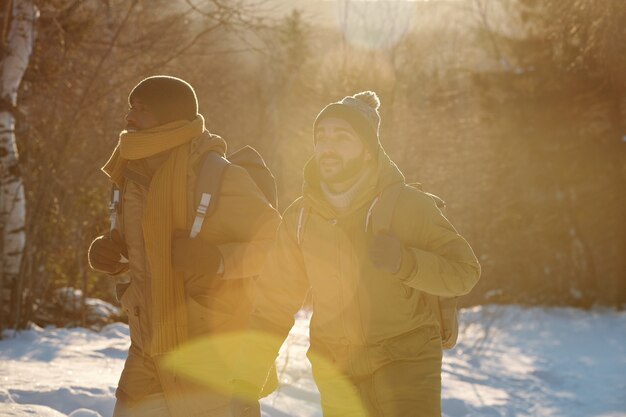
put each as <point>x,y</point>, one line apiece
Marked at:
<point>15,59</point>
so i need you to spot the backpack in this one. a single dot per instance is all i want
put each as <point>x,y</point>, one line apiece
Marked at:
<point>207,194</point>
<point>210,181</point>
<point>379,216</point>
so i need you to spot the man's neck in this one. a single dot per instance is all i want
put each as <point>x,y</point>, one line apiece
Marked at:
<point>342,195</point>
<point>342,187</point>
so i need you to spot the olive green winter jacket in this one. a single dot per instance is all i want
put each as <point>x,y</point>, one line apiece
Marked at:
<point>363,318</point>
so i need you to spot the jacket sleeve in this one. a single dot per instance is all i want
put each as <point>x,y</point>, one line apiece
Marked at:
<point>436,259</point>
<point>247,224</point>
<point>280,292</point>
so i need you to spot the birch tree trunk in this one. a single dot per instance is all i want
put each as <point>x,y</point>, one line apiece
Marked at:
<point>21,15</point>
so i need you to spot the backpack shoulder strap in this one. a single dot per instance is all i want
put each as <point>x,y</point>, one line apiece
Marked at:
<point>207,188</point>
<point>114,206</point>
<point>303,215</point>
<point>382,209</point>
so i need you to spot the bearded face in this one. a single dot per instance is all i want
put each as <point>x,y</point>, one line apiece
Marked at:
<point>340,153</point>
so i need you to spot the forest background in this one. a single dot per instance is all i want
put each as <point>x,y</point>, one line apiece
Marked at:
<point>512,111</point>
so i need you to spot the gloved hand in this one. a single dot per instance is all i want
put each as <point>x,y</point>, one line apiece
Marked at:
<point>245,402</point>
<point>194,256</point>
<point>108,253</point>
<point>386,252</point>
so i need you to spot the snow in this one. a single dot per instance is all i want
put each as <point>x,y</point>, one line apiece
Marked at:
<point>68,302</point>
<point>510,361</point>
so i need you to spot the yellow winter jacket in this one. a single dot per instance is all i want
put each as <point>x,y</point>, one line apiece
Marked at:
<point>362,317</point>
<point>242,226</point>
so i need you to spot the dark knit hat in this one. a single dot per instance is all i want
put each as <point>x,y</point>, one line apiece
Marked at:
<point>361,111</point>
<point>169,98</point>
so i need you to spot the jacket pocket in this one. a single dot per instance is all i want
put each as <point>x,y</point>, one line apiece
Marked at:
<point>410,345</point>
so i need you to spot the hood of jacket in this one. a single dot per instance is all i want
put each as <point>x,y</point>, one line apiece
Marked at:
<point>206,142</point>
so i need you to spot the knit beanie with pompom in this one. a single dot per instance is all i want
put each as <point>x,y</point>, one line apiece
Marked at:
<point>361,111</point>
<point>169,98</point>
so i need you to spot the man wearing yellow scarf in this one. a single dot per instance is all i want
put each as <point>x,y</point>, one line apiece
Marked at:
<point>181,289</point>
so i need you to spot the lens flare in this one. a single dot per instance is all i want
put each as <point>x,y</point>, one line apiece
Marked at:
<point>374,24</point>
<point>211,362</point>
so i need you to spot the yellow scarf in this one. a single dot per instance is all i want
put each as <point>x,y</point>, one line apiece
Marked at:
<point>165,212</point>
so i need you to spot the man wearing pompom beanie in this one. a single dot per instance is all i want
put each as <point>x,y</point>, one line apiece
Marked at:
<point>182,290</point>
<point>375,346</point>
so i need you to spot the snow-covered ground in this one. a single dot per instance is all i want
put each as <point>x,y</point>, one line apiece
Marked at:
<point>510,361</point>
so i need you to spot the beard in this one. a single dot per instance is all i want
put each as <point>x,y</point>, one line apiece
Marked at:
<point>344,170</point>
